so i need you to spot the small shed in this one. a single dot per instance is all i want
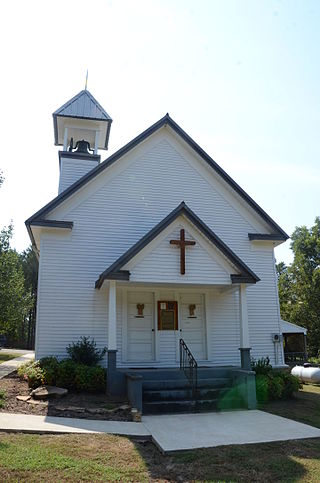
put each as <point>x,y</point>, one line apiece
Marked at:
<point>294,343</point>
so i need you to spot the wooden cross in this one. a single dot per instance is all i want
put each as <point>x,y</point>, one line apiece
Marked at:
<point>182,243</point>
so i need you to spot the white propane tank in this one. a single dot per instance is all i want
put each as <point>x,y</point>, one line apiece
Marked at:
<point>307,374</point>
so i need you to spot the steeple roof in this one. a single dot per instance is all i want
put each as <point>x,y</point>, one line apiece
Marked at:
<point>82,114</point>
<point>83,106</point>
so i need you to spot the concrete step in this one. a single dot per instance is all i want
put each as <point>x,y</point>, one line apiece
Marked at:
<point>162,407</point>
<point>183,383</point>
<point>184,394</point>
<point>168,374</point>
<point>189,405</point>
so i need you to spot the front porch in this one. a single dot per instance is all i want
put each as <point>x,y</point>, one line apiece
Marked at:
<point>144,356</point>
<point>147,321</point>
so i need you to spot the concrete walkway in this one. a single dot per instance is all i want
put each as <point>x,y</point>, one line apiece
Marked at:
<point>175,432</point>
<point>12,365</point>
<point>50,424</point>
<point>205,430</point>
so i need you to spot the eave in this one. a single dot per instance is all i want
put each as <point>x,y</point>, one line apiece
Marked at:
<point>60,224</point>
<point>266,237</point>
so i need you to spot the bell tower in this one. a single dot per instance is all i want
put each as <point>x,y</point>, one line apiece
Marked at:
<point>82,127</point>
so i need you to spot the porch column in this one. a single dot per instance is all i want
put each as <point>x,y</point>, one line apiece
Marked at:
<point>115,380</point>
<point>112,316</point>
<point>244,329</point>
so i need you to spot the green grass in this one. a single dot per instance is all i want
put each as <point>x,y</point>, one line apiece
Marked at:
<point>6,357</point>
<point>74,458</point>
<point>304,407</point>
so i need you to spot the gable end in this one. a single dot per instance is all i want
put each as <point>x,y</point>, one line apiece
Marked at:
<point>114,271</point>
<point>166,120</point>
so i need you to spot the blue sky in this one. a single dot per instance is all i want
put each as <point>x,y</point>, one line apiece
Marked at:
<point>241,77</point>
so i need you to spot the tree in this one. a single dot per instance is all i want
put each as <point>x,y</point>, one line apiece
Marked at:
<point>18,286</point>
<point>14,301</point>
<point>299,284</point>
<point>30,269</point>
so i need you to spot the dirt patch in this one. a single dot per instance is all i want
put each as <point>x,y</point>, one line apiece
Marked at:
<point>73,405</point>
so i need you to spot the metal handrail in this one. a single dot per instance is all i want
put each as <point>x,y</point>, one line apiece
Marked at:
<point>189,366</point>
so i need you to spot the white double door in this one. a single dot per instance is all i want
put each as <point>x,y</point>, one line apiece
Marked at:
<point>140,328</point>
<point>193,324</point>
<point>142,337</point>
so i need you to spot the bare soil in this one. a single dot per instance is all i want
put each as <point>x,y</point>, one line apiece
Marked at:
<point>73,405</point>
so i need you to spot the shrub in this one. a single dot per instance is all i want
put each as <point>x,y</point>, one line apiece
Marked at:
<point>23,369</point>
<point>85,351</point>
<point>80,377</point>
<point>262,388</point>
<point>50,366</point>
<point>66,374</point>
<point>291,384</point>
<point>91,379</point>
<point>275,386</point>
<point>261,366</point>
<point>272,385</point>
<point>33,373</point>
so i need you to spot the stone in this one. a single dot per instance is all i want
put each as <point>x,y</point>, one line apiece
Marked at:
<point>23,398</point>
<point>37,402</point>
<point>97,410</point>
<point>75,409</point>
<point>124,407</point>
<point>45,392</point>
<point>136,415</point>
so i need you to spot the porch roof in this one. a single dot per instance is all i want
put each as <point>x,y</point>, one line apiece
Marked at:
<point>290,328</point>
<point>116,272</point>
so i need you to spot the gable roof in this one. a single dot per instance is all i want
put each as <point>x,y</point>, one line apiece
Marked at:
<point>84,106</point>
<point>114,271</point>
<point>166,120</point>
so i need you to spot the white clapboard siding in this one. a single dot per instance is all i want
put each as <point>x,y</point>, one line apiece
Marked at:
<point>110,218</point>
<point>73,169</point>
<point>162,264</point>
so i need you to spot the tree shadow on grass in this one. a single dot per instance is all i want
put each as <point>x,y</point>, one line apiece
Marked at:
<point>304,407</point>
<point>267,462</point>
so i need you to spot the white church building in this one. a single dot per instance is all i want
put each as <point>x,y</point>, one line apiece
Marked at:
<point>153,246</point>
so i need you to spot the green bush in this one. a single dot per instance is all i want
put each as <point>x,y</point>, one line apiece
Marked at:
<point>91,379</point>
<point>50,366</point>
<point>261,366</point>
<point>80,377</point>
<point>291,384</point>
<point>262,388</point>
<point>275,386</point>
<point>85,351</point>
<point>271,384</point>
<point>66,374</point>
